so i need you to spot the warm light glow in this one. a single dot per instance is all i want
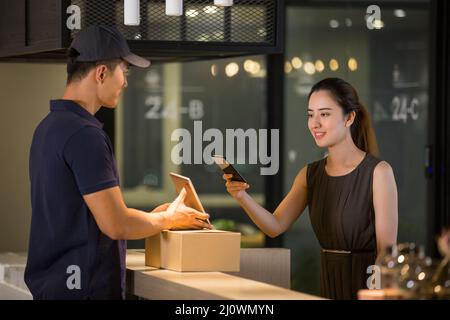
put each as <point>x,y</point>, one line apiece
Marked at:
<point>210,9</point>
<point>399,13</point>
<point>404,270</point>
<point>348,22</point>
<point>262,32</point>
<point>334,23</point>
<point>248,65</point>
<point>309,68</point>
<point>191,13</point>
<point>218,35</point>
<point>204,37</point>
<point>214,70</point>
<point>231,69</point>
<point>287,67</point>
<point>334,64</point>
<point>296,62</point>
<point>437,289</point>
<point>401,258</point>
<point>256,68</point>
<point>378,24</point>
<point>421,276</point>
<point>225,3</point>
<point>252,67</point>
<point>319,65</point>
<point>352,64</point>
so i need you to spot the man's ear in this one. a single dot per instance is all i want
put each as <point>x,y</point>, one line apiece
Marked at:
<point>350,119</point>
<point>100,73</point>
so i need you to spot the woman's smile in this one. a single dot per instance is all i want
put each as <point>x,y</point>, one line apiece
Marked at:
<point>319,135</point>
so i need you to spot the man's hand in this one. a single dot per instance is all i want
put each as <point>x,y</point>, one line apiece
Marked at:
<point>161,208</point>
<point>179,216</point>
<point>121,223</point>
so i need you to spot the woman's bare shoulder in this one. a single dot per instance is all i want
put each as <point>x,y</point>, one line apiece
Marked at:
<point>383,173</point>
<point>382,168</point>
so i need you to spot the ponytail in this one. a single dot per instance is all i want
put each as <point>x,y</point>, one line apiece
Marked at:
<point>363,133</point>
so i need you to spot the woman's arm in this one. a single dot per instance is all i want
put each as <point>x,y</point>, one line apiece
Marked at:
<point>286,213</point>
<point>385,205</point>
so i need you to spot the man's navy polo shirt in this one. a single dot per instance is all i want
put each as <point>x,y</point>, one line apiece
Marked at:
<point>71,156</point>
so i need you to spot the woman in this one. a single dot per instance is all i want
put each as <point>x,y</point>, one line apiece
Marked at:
<point>351,194</point>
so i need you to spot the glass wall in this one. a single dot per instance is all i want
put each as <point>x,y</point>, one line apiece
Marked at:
<point>184,110</point>
<point>387,62</point>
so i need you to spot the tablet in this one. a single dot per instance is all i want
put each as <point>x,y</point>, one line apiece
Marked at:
<point>228,168</point>
<point>192,200</point>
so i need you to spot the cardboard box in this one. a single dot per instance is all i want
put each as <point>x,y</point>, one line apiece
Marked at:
<point>194,250</point>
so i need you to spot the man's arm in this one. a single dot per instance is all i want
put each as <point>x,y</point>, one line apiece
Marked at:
<point>119,222</point>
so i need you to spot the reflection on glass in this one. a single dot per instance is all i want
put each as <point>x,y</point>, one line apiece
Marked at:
<point>196,97</point>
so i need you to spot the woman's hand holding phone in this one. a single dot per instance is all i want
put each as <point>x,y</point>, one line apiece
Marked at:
<point>235,188</point>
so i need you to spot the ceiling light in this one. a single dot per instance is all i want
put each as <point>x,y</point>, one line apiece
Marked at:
<point>352,64</point>
<point>334,64</point>
<point>399,13</point>
<point>309,68</point>
<point>296,62</point>
<point>334,23</point>
<point>210,9</point>
<point>319,65</point>
<point>232,69</point>
<point>174,7</point>
<point>287,67</point>
<point>223,3</point>
<point>131,12</point>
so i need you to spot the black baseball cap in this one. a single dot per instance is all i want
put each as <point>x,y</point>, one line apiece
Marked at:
<point>96,43</point>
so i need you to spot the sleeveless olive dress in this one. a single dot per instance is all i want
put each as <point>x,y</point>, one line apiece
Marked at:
<point>343,218</point>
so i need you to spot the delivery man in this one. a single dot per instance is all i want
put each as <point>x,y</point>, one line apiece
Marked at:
<point>79,219</point>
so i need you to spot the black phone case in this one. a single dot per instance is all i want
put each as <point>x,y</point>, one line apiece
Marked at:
<point>236,176</point>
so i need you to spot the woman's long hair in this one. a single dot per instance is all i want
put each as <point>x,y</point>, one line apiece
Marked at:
<point>346,96</point>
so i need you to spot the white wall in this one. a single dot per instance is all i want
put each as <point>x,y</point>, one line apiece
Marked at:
<point>25,91</point>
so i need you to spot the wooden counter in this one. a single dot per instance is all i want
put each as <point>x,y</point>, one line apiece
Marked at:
<point>159,284</point>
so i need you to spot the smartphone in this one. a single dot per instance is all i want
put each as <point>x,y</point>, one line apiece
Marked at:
<point>192,200</point>
<point>228,168</point>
